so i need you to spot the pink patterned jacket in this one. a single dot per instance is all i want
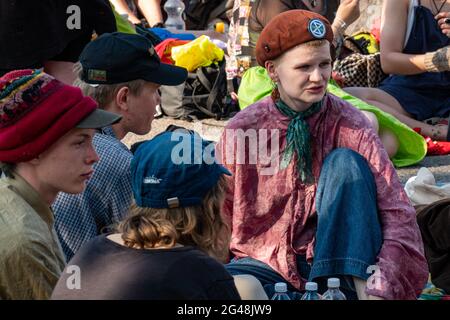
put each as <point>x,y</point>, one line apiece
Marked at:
<point>270,213</point>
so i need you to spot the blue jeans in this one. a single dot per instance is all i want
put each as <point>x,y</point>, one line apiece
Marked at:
<point>348,236</point>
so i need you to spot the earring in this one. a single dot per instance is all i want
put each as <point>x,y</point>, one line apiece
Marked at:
<point>275,84</point>
<point>275,91</point>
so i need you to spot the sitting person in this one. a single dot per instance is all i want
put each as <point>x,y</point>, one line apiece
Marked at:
<point>313,193</point>
<point>171,244</point>
<point>247,25</point>
<point>123,73</point>
<point>46,131</point>
<point>434,223</point>
<point>248,19</point>
<point>50,35</point>
<point>414,50</point>
<point>150,9</point>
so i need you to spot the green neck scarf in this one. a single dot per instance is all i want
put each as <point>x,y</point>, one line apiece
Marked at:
<point>298,140</point>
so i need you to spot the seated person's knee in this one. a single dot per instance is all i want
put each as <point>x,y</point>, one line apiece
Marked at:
<point>390,142</point>
<point>372,119</point>
<point>249,287</point>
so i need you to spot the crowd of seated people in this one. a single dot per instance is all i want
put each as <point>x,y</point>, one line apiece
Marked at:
<point>183,226</point>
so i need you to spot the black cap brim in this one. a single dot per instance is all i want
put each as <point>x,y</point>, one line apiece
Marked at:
<point>225,171</point>
<point>167,75</point>
<point>98,119</point>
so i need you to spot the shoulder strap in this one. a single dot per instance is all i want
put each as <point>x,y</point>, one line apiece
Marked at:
<point>203,79</point>
<point>212,88</point>
<point>411,17</point>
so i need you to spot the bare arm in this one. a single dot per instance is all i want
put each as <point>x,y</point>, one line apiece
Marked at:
<point>265,11</point>
<point>121,7</point>
<point>393,32</point>
<point>151,9</point>
<point>347,13</point>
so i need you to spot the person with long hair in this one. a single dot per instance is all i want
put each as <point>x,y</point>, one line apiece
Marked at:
<point>174,239</point>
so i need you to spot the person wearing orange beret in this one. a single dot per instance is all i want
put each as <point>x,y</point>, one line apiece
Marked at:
<point>313,193</point>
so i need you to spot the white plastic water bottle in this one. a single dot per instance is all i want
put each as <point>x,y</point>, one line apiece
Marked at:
<point>311,292</point>
<point>333,292</point>
<point>174,9</point>
<point>280,292</point>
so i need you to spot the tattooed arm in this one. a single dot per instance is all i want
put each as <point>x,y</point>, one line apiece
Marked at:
<point>438,61</point>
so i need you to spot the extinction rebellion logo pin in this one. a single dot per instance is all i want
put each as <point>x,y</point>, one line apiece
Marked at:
<point>317,28</point>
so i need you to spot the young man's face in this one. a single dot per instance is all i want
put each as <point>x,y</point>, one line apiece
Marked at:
<point>142,109</point>
<point>67,165</point>
<point>303,73</point>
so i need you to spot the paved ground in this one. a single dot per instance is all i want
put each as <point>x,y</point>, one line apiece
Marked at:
<point>439,166</point>
<point>211,130</point>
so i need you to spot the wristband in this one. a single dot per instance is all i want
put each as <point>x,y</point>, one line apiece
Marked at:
<point>342,25</point>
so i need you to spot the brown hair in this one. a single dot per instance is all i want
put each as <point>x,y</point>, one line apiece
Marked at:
<point>200,226</point>
<point>105,93</point>
<point>314,43</point>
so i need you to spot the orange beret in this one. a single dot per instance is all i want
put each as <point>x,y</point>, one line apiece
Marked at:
<point>289,29</point>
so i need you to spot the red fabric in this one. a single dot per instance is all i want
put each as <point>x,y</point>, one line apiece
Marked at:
<point>164,49</point>
<point>60,109</point>
<point>435,148</point>
<point>338,78</point>
<point>376,29</point>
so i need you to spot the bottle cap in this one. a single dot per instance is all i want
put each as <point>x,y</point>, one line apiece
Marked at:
<point>334,283</point>
<point>219,27</point>
<point>311,286</point>
<point>280,287</point>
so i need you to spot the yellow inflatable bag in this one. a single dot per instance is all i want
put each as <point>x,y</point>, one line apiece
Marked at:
<point>200,52</point>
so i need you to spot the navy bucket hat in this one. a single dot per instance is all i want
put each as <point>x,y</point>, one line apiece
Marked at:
<point>174,169</point>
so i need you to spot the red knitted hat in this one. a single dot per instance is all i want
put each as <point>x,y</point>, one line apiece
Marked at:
<point>35,111</point>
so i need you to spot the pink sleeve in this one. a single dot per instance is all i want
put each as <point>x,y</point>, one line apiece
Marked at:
<point>221,155</point>
<point>402,268</point>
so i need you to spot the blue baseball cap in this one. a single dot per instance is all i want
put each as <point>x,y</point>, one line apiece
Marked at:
<point>174,169</point>
<point>120,57</point>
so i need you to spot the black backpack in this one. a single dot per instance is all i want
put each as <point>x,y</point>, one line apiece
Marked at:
<point>199,13</point>
<point>202,95</point>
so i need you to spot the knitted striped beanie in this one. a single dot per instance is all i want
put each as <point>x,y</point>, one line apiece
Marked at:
<point>35,111</point>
